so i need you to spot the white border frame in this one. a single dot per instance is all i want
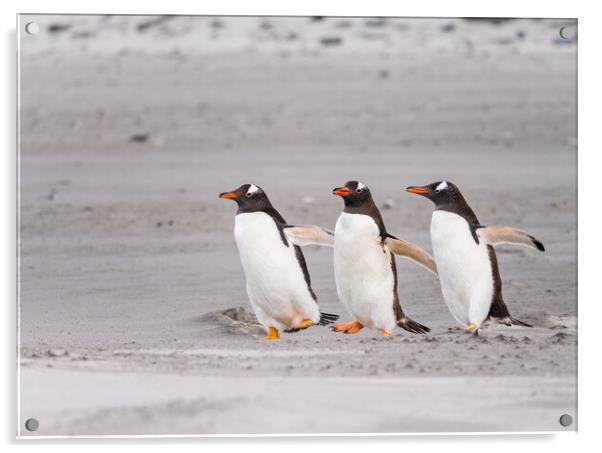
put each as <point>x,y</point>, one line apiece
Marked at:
<point>588,164</point>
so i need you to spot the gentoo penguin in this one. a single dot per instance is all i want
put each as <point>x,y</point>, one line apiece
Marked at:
<point>364,265</point>
<point>466,262</point>
<point>278,282</point>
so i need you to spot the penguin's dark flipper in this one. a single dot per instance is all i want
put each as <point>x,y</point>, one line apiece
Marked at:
<point>327,318</point>
<point>412,326</point>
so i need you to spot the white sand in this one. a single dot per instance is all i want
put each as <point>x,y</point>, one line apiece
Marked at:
<point>154,403</point>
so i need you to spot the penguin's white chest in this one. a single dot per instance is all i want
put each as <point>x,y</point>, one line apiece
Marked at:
<point>363,272</point>
<point>464,268</point>
<point>275,282</point>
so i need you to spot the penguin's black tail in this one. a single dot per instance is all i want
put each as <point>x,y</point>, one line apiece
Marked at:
<point>509,321</point>
<point>327,318</point>
<point>518,322</point>
<point>412,326</point>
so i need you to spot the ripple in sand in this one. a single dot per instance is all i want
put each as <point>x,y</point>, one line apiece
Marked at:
<point>237,320</point>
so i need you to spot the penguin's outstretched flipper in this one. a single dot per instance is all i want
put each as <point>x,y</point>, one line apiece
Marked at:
<point>327,318</point>
<point>308,235</point>
<point>411,251</point>
<point>495,235</point>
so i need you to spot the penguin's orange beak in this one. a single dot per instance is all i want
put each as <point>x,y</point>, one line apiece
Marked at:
<point>341,191</point>
<point>418,190</point>
<point>229,195</point>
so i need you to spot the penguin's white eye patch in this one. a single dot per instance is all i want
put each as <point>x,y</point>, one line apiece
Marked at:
<point>360,187</point>
<point>442,186</point>
<point>252,189</point>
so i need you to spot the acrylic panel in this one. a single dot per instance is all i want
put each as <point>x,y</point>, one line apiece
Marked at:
<point>296,225</point>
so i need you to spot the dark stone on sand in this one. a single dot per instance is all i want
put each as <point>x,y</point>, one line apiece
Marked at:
<point>139,138</point>
<point>343,24</point>
<point>375,22</point>
<point>216,23</point>
<point>388,205</point>
<point>491,20</point>
<point>82,35</point>
<point>155,21</point>
<point>331,41</point>
<point>58,28</point>
<point>449,27</point>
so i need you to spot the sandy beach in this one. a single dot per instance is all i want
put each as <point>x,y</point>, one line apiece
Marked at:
<point>133,313</point>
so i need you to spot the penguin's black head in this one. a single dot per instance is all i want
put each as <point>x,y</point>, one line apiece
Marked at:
<point>440,193</point>
<point>248,197</point>
<point>354,193</point>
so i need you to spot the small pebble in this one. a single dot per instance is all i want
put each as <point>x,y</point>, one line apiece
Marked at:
<point>139,138</point>
<point>331,41</point>
<point>388,204</point>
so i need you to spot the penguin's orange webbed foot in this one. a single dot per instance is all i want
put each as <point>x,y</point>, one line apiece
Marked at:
<point>273,334</point>
<point>348,327</point>
<point>385,333</point>
<point>472,326</point>
<point>304,324</point>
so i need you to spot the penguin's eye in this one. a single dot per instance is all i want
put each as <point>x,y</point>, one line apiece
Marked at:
<point>437,191</point>
<point>359,190</point>
<point>249,194</point>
